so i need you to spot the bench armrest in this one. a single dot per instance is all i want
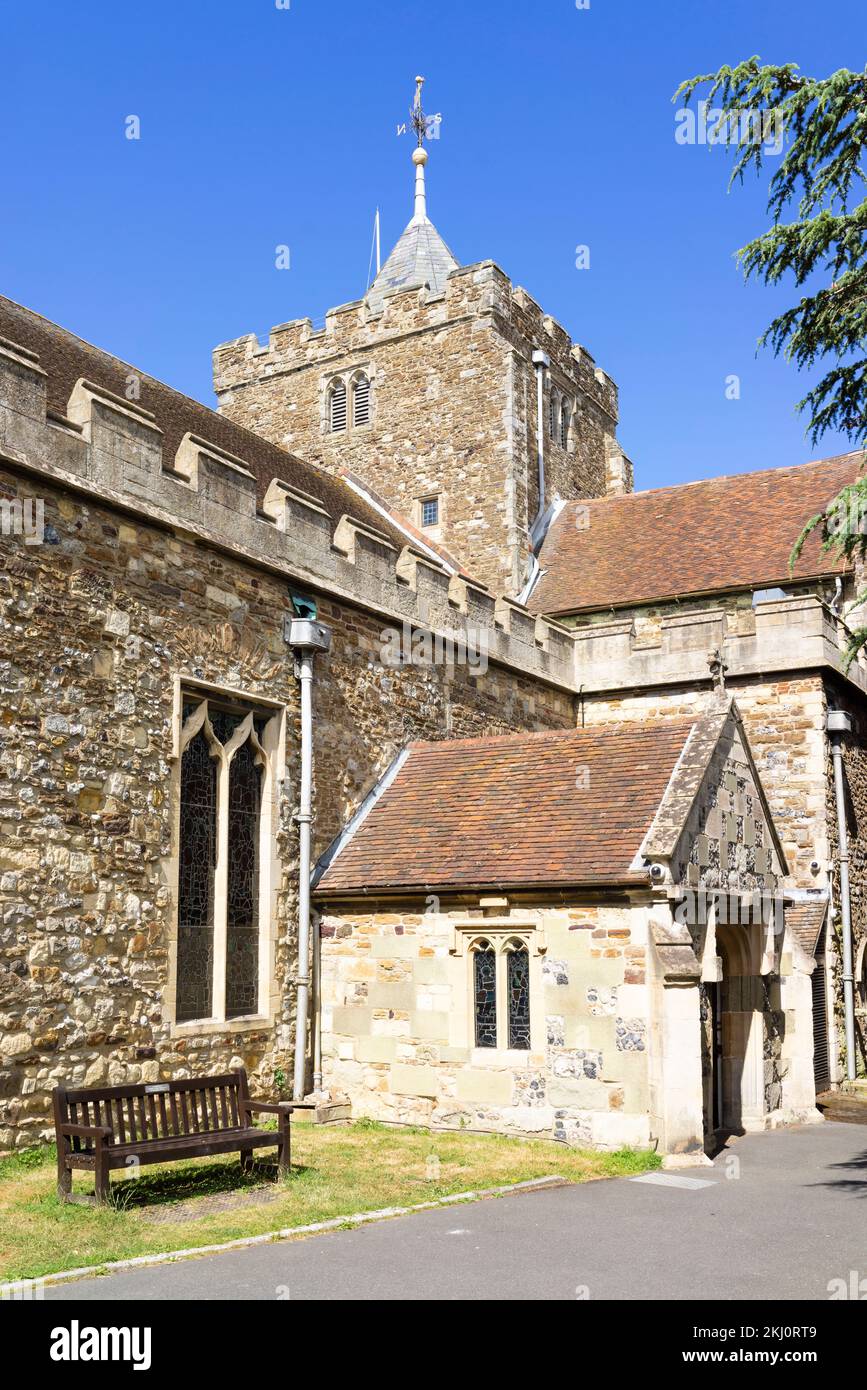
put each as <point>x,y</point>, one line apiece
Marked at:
<point>267,1107</point>
<point>86,1131</point>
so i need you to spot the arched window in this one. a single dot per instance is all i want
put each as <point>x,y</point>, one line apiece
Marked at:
<point>337,407</point>
<point>485,994</point>
<point>500,985</point>
<point>518,993</point>
<point>565,413</point>
<point>223,893</point>
<point>361,401</point>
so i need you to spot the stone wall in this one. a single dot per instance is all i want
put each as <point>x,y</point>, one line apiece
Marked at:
<point>453,408</point>
<point>397,1021</point>
<point>97,624</point>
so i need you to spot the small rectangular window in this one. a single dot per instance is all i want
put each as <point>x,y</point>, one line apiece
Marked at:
<point>430,511</point>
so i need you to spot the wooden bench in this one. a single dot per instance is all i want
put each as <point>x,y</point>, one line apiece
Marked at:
<point>107,1127</point>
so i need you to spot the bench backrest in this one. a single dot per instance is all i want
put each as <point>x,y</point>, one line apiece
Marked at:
<point>145,1113</point>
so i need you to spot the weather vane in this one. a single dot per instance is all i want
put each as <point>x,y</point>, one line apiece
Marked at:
<point>419,119</point>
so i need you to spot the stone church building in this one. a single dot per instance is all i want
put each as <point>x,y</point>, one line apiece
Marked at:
<point>373,733</point>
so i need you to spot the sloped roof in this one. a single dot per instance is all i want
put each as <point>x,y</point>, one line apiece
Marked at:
<point>67,358</point>
<point>726,533</point>
<point>420,257</point>
<point>546,809</point>
<point>804,920</point>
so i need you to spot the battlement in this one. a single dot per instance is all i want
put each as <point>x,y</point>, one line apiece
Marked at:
<point>111,450</point>
<point>480,291</point>
<point>788,634</point>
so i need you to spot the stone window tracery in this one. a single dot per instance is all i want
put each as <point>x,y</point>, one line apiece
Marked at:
<point>224,833</point>
<point>500,987</point>
<point>347,401</point>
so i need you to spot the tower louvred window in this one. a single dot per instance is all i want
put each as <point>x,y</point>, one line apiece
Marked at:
<point>337,407</point>
<point>552,416</point>
<point>564,425</point>
<point>361,401</point>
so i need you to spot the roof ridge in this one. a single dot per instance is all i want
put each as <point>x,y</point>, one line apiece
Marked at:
<point>624,726</point>
<point>718,478</point>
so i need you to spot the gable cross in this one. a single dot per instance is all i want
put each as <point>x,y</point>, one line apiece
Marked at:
<point>718,668</point>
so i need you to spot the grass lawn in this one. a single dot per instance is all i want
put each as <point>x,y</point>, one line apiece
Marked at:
<point>336,1171</point>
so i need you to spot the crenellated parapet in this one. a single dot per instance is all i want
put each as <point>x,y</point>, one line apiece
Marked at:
<point>474,292</point>
<point>795,633</point>
<point>111,450</point>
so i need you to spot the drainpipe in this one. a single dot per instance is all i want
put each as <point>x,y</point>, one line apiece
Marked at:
<point>541,361</point>
<point>838,724</point>
<point>306,637</point>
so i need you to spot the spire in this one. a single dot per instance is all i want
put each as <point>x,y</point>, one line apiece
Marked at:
<point>419,159</point>
<point>420,257</point>
<point>419,155</point>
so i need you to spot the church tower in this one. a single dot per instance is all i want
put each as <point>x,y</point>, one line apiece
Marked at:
<point>445,390</point>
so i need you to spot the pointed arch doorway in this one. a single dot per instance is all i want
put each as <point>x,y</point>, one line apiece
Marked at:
<point>736,1018</point>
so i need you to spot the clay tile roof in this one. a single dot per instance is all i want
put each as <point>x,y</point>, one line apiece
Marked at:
<point>723,533</point>
<point>804,920</point>
<point>67,358</point>
<point>569,807</point>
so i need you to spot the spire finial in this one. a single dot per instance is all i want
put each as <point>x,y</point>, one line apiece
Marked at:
<point>419,154</point>
<point>419,120</point>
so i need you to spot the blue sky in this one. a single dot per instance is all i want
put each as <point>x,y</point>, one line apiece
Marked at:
<point>263,126</point>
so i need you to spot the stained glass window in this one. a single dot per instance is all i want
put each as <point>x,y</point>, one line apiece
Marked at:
<point>197,862</point>
<point>221,804</point>
<point>242,899</point>
<point>485,994</point>
<point>518,993</point>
